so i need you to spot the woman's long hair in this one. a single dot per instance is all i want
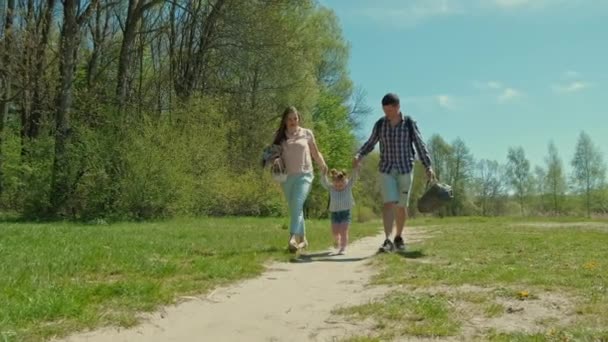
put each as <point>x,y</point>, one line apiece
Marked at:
<point>281,134</point>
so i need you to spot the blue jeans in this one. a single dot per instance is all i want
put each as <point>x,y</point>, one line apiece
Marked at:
<point>296,189</point>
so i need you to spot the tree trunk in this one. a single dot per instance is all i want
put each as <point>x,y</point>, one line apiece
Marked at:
<point>60,189</point>
<point>588,194</point>
<point>5,80</point>
<point>35,118</point>
<point>99,32</point>
<point>136,10</point>
<point>189,59</point>
<point>125,53</point>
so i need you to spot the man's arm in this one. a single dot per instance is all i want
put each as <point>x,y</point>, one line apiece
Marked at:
<point>420,146</point>
<point>369,144</point>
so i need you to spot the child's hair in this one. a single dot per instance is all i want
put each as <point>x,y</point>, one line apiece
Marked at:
<point>337,175</point>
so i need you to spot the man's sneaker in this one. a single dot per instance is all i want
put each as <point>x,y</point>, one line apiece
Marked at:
<point>387,246</point>
<point>399,244</point>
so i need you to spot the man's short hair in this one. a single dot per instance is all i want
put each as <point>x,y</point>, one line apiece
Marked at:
<point>390,99</point>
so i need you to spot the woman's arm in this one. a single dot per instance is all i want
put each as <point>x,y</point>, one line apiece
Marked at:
<point>325,181</point>
<point>316,154</point>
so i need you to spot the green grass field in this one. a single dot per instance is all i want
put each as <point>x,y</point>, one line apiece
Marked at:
<point>471,279</point>
<point>57,278</point>
<point>494,279</point>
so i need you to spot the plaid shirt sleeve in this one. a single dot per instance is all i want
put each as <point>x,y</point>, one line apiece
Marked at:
<point>371,142</point>
<point>421,146</point>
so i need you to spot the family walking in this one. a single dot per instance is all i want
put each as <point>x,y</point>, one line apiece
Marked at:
<point>294,149</point>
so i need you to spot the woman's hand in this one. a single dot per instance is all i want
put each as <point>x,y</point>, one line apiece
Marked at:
<point>324,168</point>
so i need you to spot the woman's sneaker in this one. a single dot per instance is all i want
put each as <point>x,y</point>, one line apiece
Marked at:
<point>399,243</point>
<point>386,247</point>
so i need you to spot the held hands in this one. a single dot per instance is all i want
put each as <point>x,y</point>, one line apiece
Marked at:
<point>430,175</point>
<point>324,168</point>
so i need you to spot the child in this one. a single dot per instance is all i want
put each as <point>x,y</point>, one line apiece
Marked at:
<point>340,205</point>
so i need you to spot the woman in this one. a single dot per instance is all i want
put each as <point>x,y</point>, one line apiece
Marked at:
<point>298,148</point>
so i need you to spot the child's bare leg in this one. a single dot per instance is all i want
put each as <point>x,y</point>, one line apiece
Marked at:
<point>343,236</point>
<point>335,229</point>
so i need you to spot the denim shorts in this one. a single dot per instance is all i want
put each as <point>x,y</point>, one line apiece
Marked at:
<point>338,217</point>
<point>396,187</point>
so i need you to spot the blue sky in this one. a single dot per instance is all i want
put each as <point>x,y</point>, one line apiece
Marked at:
<point>496,73</point>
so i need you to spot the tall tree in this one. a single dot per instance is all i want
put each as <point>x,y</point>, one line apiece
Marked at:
<point>489,184</point>
<point>38,97</point>
<point>555,178</point>
<point>6,46</point>
<point>518,173</point>
<point>101,30</point>
<point>441,155</point>
<point>194,35</point>
<point>460,170</point>
<point>73,21</point>
<point>135,12</point>
<point>540,187</point>
<point>589,170</point>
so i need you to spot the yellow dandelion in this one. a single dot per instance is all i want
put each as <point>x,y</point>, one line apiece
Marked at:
<point>590,265</point>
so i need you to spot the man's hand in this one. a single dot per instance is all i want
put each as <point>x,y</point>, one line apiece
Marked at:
<point>430,174</point>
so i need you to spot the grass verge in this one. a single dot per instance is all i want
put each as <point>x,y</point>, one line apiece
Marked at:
<point>495,279</point>
<point>57,278</point>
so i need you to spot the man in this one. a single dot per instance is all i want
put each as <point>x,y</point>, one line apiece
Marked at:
<point>398,136</point>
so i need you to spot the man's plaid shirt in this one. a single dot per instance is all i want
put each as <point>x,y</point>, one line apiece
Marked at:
<point>397,145</point>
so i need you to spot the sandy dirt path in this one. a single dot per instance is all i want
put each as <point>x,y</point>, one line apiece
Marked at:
<point>288,302</point>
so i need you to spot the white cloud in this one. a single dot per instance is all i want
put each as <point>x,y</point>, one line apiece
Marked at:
<point>489,85</point>
<point>503,92</point>
<point>571,87</point>
<point>509,94</point>
<point>494,85</point>
<point>445,101</point>
<point>432,102</point>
